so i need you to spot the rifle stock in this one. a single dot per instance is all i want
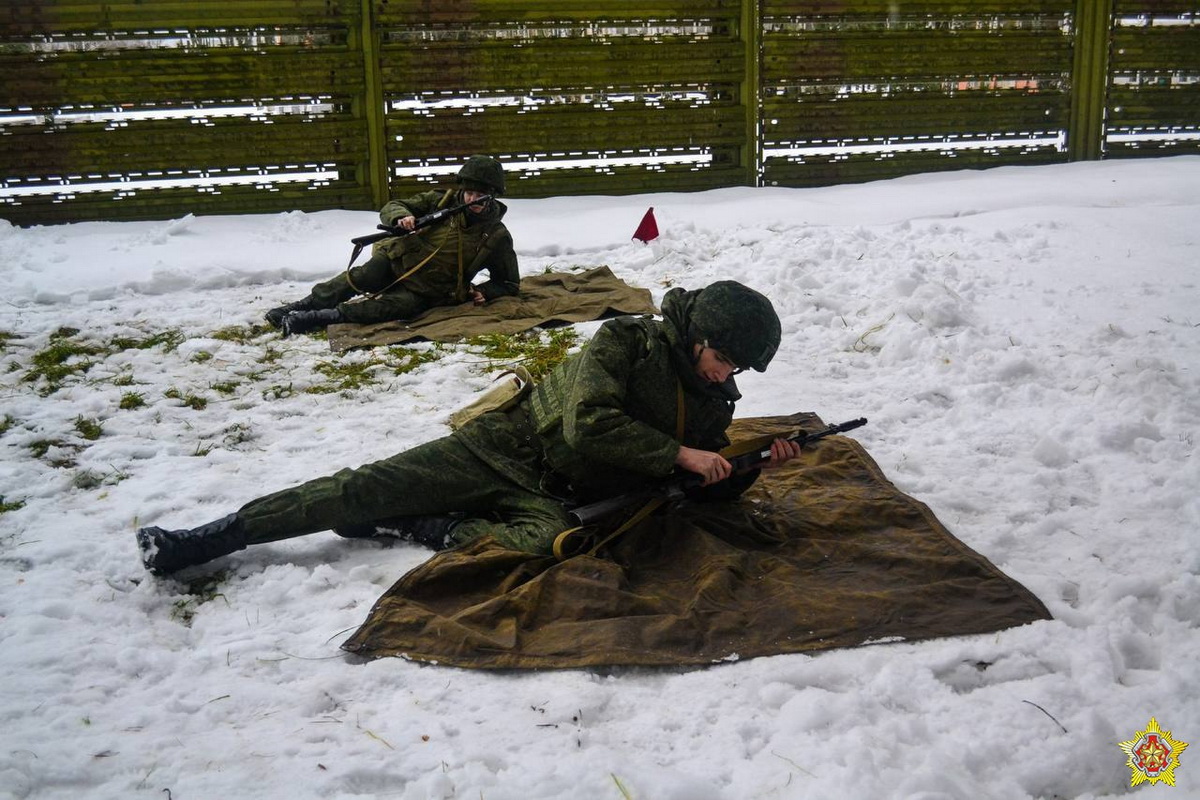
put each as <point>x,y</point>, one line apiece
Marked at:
<point>673,488</point>
<point>387,231</point>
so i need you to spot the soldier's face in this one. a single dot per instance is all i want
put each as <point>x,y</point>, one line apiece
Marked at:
<point>712,365</point>
<point>470,196</point>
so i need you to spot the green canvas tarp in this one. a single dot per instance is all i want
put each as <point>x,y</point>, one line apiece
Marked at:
<point>822,553</point>
<point>555,298</point>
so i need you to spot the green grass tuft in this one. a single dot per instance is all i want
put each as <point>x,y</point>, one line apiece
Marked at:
<point>190,400</point>
<point>89,429</point>
<point>402,360</point>
<point>6,506</point>
<point>61,358</point>
<point>170,339</point>
<point>538,351</point>
<point>132,400</point>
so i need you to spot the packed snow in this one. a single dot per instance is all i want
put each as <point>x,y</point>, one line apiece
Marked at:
<point>1025,342</point>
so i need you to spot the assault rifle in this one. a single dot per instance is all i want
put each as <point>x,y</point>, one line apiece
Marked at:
<point>674,487</point>
<point>420,222</point>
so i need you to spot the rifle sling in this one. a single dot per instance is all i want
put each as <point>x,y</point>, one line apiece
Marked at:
<point>646,510</point>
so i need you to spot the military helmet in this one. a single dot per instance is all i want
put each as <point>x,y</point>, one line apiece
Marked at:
<point>483,171</point>
<point>738,321</point>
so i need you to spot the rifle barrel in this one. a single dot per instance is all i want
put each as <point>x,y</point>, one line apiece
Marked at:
<point>676,484</point>
<point>425,221</point>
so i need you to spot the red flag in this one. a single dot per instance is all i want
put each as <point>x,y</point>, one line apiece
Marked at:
<point>647,229</point>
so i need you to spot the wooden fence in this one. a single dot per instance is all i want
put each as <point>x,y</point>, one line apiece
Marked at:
<point>133,109</point>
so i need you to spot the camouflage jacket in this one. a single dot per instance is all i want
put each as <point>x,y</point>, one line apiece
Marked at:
<point>457,250</point>
<point>605,419</point>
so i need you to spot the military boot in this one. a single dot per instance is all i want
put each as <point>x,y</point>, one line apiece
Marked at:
<point>305,321</point>
<point>431,532</point>
<point>275,316</point>
<point>164,552</point>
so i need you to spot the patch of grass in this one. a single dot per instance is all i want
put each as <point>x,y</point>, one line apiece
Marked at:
<point>277,392</point>
<point>538,351</point>
<point>61,358</point>
<point>201,356</point>
<point>237,433</point>
<point>132,400</point>
<point>6,506</point>
<point>239,334</point>
<point>6,423</point>
<point>401,360</point>
<point>89,429</point>
<point>124,379</point>
<point>199,592</point>
<point>5,338</point>
<point>270,356</point>
<point>170,339</point>
<point>40,447</point>
<point>225,387</point>
<point>193,401</point>
<point>344,376</point>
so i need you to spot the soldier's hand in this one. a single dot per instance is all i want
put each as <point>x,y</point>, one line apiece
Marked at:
<point>477,297</point>
<point>782,451</point>
<point>712,467</point>
<point>408,223</point>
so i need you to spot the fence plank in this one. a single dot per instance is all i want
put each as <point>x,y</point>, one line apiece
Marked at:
<point>548,64</point>
<point>514,129</point>
<point>1154,106</point>
<point>135,77</point>
<point>172,203</point>
<point>1157,48</point>
<point>906,55</point>
<point>513,12</point>
<point>913,8</point>
<point>162,144</point>
<point>834,117</point>
<point>58,17</point>
<point>1127,8</point>
<point>858,168</point>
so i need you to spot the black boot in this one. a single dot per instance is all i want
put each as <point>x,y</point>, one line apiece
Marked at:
<point>164,552</point>
<point>305,321</point>
<point>275,316</point>
<point>431,532</point>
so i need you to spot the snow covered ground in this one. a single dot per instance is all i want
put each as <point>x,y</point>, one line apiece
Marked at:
<point>1026,345</point>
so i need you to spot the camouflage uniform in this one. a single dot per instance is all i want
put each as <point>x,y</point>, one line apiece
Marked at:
<point>602,422</point>
<point>454,252</point>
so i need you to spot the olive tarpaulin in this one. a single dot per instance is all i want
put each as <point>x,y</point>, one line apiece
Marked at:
<point>824,552</point>
<point>554,298</point>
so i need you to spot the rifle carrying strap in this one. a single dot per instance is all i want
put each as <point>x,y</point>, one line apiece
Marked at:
<point>560,548</point>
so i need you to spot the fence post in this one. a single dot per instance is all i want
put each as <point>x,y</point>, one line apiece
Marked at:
<point>376,168</point>
<point>751,34</point>
<point>1089,80</point>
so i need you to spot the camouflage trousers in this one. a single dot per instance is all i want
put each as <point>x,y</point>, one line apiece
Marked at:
<point>375,275</point>
<point>440,477</point>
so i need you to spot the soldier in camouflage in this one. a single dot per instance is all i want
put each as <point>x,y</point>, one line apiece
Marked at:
<point>435,266</point>
<point>644,398</point>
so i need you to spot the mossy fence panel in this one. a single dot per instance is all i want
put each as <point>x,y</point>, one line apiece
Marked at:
<point>130,109</point>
